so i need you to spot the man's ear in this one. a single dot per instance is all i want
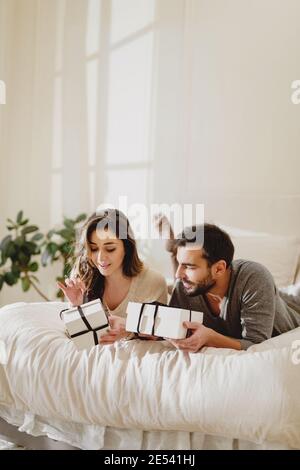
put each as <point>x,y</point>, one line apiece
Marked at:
<point>219,268</point>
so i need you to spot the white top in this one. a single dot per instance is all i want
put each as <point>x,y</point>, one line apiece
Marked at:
<point>148,286</point>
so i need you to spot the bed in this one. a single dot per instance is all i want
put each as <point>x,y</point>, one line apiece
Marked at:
<point>143,395</point>
<point>147,395</point>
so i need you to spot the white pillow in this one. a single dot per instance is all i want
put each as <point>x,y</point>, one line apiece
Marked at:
<point>280,254</point>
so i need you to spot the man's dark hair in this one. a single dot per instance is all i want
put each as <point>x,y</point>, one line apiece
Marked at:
<point>216,244</point>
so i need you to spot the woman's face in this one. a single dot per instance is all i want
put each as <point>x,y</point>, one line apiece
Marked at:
<point>106,251</point>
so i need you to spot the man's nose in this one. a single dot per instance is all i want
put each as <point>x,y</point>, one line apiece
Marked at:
<point>179,272</point>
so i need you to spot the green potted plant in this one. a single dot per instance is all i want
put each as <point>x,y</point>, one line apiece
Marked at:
<point>19,255</point>
<point>23,249</point>
<point>59,245</point>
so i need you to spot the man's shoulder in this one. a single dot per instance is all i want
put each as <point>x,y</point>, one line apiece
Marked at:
<point>246,269</point>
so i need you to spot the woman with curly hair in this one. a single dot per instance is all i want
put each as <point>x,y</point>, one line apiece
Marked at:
<point>108,267</point>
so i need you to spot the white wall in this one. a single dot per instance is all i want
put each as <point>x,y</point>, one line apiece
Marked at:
<point>244,131</point>
<point>164,101</point>
<point>241,131</point>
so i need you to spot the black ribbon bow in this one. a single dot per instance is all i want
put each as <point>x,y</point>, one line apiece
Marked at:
<point>85,321</point>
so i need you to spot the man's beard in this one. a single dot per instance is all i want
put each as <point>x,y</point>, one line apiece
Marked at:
<point>200,288</point>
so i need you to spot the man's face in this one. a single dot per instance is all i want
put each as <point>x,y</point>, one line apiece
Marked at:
<point>193,271</point>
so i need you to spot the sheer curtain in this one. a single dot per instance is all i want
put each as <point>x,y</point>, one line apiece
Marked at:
<point>91,115</point>
<point>173,101</point>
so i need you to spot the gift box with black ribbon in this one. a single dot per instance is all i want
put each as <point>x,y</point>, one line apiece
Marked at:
<point>160,320</point>
<point>85,323</point>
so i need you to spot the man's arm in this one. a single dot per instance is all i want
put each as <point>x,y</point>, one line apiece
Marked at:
<point>203,336</point>
<point>164,226</point>
<point>256,314</point>
<point>257,311</point>
<point>220,341</point>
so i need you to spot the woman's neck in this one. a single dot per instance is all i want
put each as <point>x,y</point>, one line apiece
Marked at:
<point>116,279</point>
<point>116,288</point>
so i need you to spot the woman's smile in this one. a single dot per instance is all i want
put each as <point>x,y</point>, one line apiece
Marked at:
<point>104,265</point>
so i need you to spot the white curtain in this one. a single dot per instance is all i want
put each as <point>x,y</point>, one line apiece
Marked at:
<point>166,101</point>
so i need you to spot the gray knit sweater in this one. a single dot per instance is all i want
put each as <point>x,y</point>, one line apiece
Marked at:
<point>253,309</point>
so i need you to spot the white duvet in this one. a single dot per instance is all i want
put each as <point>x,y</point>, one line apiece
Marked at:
<point>252,395</point>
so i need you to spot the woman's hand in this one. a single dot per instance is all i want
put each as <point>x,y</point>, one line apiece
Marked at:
<point>73,290</point>
<point>116,332</point>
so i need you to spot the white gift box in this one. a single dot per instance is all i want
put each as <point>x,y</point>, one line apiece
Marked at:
<point>157,320</point>
<point>85,324</point>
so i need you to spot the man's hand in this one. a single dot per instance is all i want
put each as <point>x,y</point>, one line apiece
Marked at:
<point>201,336</point>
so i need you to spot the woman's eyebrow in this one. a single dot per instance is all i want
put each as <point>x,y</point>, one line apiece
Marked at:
<point>106,243</point>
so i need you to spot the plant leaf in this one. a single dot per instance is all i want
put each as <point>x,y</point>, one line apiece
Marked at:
<point>30,248</point>
<point>33,267</point>
<point>50,233</point>
<point>29,229</point>
<point>60,294</point>
<point>10,278</point>
<point>66,233</point>
<point>15,270</point>
<point>3,258</point>
<point>37,237</point>
<point>25,283</point>
<point>11,249</point>
<point>19,241</point>
<point>66,248</point>
<point>69,224</point>
<point>52,248</point>
<point>80,218</point>
<point>67,270</point>
<point>23,258</point>
<point>24,222</point>
<point>4,243</point>
<point>19,217</point>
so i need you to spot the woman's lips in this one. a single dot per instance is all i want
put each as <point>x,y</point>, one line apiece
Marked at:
<point>104,266</point>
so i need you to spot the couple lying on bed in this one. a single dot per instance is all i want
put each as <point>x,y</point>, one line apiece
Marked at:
<point>239,299</point>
